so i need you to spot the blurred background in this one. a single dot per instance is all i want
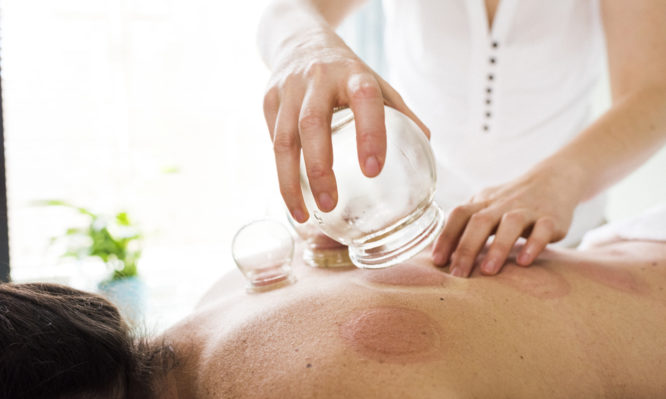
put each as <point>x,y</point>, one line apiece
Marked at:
<point>152,109</point>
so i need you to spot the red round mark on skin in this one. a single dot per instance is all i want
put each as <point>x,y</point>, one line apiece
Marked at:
<point>536,281</point>
<point>392,334</point>
<point>407,274</point>
<point>612,277</point>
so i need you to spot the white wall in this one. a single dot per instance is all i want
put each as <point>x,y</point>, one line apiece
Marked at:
<point>644,188</point>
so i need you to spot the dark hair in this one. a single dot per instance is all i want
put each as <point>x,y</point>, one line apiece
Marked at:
<point>58,342</point>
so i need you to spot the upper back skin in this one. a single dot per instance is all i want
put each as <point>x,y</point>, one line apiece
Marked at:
<point>573,325</point>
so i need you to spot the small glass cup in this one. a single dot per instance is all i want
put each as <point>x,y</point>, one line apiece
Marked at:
<point>263,251</point>
<point>319,249</point>
<point>391,217</point>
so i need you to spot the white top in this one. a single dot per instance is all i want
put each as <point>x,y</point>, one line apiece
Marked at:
<point>497,101</point>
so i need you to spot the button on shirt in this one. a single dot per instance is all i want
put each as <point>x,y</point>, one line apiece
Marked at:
<point>497,100</point>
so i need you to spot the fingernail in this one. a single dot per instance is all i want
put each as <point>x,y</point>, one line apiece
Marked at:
<point>438,258</point>
<point>456,272</point>
<point>325,202</point>
<point>371,166</point>
<point>298,215</point>
<point>489,266</point>
<point>525,256</point>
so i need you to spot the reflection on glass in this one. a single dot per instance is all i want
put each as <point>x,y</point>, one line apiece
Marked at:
<point>320,250</point>
<point>263,252</point>
<point>387,219</point>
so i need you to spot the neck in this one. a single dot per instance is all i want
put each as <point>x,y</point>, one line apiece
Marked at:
<point>179,383</point>
<point>169,387</point>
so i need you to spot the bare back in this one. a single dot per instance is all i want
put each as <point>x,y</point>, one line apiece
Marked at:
<point>575,325</point>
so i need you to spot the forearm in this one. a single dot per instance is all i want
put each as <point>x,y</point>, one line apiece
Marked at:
<point>631,131</point>
<point>287,23</point>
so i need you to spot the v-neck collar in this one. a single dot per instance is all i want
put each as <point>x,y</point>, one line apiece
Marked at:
<point>501,20</point>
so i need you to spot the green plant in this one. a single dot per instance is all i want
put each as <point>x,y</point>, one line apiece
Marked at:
<point>115,240</point>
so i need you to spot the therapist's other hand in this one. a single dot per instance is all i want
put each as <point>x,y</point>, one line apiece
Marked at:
<point>311,78</point>
<point>538,206</point>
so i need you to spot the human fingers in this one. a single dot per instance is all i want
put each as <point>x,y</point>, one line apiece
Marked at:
<point>475,235</point>
<point>394,99</point>
<point>453,228</point>
<point>543,232</point>
<point>511,227</point>
<point>314,125</point>
<point>365,99</point>
<point>286,146</point>
<point>271,108</point>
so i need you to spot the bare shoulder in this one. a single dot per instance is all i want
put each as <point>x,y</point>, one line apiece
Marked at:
<point>229,282</point>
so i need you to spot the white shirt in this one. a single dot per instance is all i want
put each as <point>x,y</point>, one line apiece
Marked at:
<point>497,101</point>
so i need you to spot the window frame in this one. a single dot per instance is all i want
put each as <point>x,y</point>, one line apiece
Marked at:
<point>4,233</point>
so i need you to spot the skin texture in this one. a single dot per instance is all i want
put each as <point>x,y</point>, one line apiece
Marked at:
<point>409,274</point>
<point>392,334</point>
<point>538,282</point>
<point>618,279</point>
<point>314,71</point>
<point>341,333</point>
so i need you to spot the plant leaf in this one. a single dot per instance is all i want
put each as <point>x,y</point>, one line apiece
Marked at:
<point>123,219</point>
<point>51,202</point>
<point>171,169</point>
<point>65,204</point>
<point>72,231</point>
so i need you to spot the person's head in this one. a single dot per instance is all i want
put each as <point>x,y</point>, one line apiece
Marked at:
<point>58,342</point>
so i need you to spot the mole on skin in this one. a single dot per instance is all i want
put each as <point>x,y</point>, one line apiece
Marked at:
<point>392,334</point>
<point>407,274</point>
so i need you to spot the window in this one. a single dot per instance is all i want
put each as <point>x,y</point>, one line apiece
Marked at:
<point>101,98</point>
<point>149,106</point>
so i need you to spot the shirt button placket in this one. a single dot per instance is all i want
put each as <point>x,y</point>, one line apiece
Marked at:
<point>492,62</point>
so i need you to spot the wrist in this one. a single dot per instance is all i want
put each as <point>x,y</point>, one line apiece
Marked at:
<point>310,39</point>
<point>305,43</point>
<point>300,52</point>
<point>285,26</point>
<point>565,175</point>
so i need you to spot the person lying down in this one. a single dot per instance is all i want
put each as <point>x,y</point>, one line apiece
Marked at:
<point>587,323</point>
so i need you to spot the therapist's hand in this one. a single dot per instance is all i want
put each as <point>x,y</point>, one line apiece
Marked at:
<point>538,206</point>
<point>312,76</point>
